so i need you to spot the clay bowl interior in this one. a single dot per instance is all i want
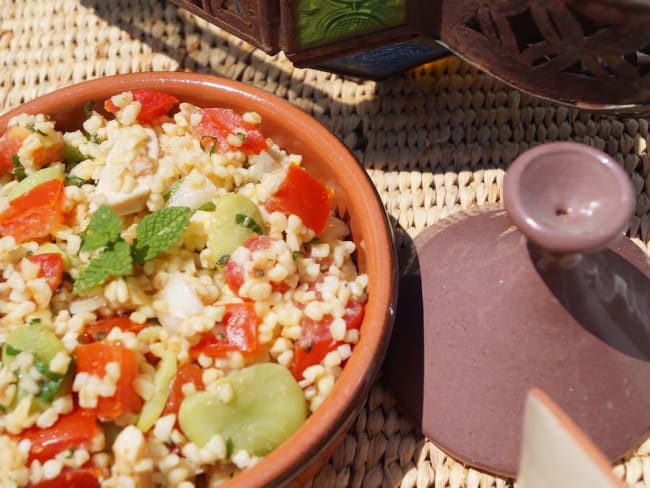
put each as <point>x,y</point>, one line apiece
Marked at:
<point>328,159</point>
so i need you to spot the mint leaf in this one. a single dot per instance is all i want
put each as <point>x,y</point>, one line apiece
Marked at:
<point>103,229</point>
<point>159,231</point>
<point>113,261</point>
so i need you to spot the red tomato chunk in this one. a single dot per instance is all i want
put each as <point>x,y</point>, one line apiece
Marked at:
<point>218,123</point>
<point>237,332</point>
<point>303,195</point>
<point>73,431</point>
<point>35,214</point>
<point>92,359</point>
<point>51,265</point>
<point>154,104</point>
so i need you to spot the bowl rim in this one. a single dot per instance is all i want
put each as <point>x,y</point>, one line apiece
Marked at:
<point>324,428</point>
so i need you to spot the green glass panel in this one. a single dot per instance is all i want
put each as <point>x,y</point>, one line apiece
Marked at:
<point>325,21</point>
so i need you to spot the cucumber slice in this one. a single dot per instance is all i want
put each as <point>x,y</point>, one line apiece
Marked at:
<point>155,405</point>
<point>35,179</point>
<point>72,154</point>
<point>35,338</point>
<point>227,231</point>
<point>44,345</point>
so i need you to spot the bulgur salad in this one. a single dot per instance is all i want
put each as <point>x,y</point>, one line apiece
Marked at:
<point>177,295</point>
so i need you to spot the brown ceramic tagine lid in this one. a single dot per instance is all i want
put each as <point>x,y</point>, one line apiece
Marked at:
<point>546,293</point>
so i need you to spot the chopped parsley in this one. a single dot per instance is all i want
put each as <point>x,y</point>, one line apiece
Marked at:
<point>249,223</point>
<point>229,447</point>
<point>208,207</point>
<point>33,128</point>
<point>75,180</point>
<point>19,169</point>
<point>88,108</point>
<point>11,350</point>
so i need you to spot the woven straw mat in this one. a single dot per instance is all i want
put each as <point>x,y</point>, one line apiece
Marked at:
<point>434,140</point>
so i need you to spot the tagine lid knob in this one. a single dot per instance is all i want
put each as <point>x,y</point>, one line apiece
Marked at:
<point>547,293</point>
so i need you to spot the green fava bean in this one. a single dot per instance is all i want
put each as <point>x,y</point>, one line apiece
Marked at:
<point>266,407</point>
<point>235,219</point>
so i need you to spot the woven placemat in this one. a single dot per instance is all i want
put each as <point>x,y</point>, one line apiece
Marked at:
<point>434,140</point>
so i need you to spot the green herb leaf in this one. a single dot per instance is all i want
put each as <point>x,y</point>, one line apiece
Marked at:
<point>88,108</point>
<point>223,259</point>
<point>75,180</point>
<point>159,231</point>
<point>213,146</point>
<point>172,189</point>
<point>19,169</point>
<point>103,229</point>
<point>297,254</point>
<point>229,447</point>
<point>12,351</point>
<point>34,322</point>
<point>113,261</point>
<point>249,223</point>
<point>42,368</point>
<point>208,207</point>
<point>48,389</point>
<point>92,138</point>
<point>33,128</point>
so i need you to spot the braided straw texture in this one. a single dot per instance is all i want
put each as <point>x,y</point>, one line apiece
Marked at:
<point>434,140</point>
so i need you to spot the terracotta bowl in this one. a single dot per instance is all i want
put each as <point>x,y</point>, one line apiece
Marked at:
<point>327,158</point>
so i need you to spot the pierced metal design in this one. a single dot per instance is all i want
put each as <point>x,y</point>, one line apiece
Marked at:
<point>594,54</point>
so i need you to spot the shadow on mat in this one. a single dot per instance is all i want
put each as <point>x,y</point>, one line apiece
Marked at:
<point>383,140</point>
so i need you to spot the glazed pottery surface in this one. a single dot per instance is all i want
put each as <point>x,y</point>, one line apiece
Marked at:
<point>510,301</point>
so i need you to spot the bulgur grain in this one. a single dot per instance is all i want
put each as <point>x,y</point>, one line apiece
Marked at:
<point>301,287</point>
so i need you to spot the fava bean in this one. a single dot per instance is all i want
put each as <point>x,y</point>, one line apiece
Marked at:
<point>266,407</point>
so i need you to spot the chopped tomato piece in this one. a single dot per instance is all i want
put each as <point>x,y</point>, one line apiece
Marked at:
<point>92,359</point>
<point>35,214</point>
<point>237,332</point>
<point>187,373</point>
<point>235,274</point>
<point>303,195</point>
<point>75,430</point>
<point>51,265</point>
<point>98,330</point>
<point>316,340</point>
<point>72,478</point>
<point>11,142</point>
<point>153,103</point>
<point>217,123</point>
